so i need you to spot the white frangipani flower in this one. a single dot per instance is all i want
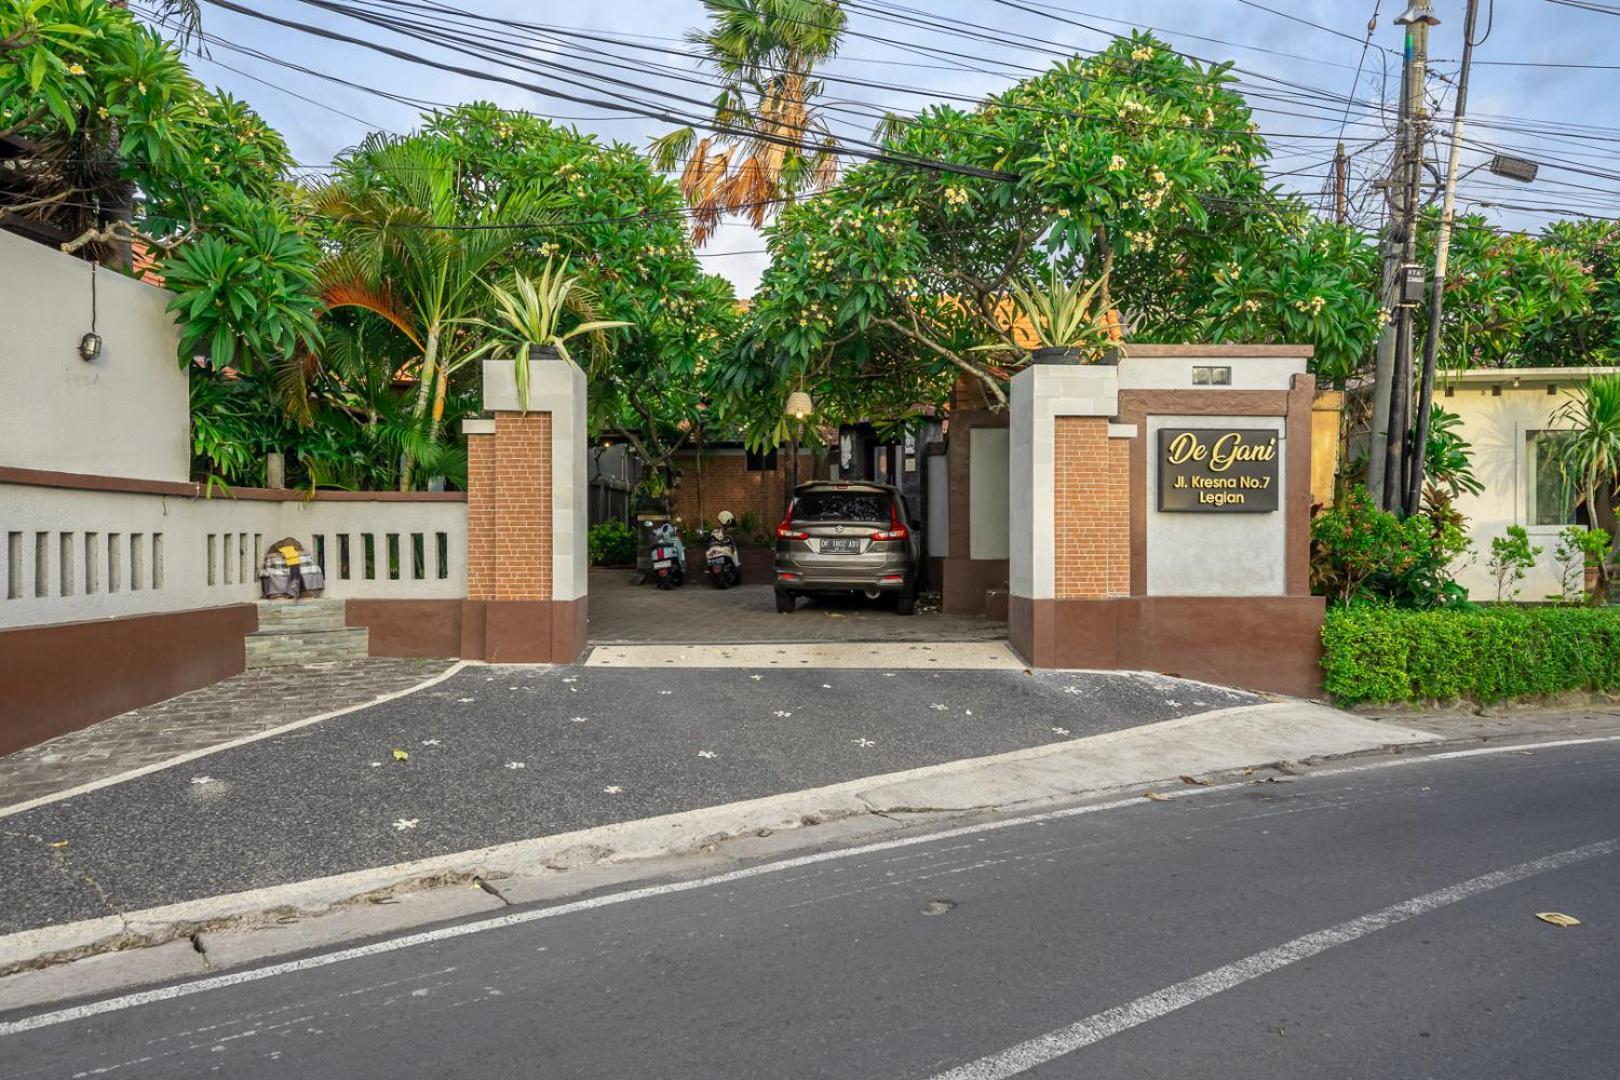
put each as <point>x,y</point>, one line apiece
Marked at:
<point>514,765</point>
<point>707,754</point>
<point>863,743</point>
<point>405,823</point>
<point>199,780</point>
<point>1060,731</point>
<point>612,789</point>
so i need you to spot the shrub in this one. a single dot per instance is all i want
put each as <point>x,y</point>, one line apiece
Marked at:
<point>1579,550</point>
<point>1378,653</point>
<point>612,543</point>
<point>1359,552</point>
<point>1512,557</point>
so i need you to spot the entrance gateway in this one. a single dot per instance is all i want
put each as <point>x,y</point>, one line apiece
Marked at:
<point>1158,509</point>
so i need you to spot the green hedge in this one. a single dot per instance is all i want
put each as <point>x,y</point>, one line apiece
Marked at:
<point>1381,654</point>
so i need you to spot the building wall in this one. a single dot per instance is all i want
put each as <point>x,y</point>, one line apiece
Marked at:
<point>1091,510</point>
<point>128,407</point>
<point>1215,554</point>
<point>1496,427</point>
<point>720,480</point>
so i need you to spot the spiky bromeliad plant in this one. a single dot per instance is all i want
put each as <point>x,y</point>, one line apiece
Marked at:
<point>530,316</point>
<point>1058,315</point>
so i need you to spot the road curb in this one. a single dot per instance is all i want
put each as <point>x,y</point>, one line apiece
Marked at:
<point>1224,739</point>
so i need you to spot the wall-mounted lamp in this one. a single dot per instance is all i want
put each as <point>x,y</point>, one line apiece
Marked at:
<point>90,344</point>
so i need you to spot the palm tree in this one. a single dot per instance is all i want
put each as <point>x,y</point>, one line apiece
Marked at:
<point>771,145</point>
<point>1590,456</point>
<point>411,250</point>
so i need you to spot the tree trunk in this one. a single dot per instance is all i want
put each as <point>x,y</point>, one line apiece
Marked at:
<point>425,380</point>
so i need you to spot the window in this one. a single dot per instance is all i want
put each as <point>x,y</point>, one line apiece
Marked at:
<point>761,462</point>
<point>1550,497</point>
<point>869,507</point>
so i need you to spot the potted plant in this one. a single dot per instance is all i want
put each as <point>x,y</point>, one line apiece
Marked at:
<point>530,317</point>
<point>1061,317</point>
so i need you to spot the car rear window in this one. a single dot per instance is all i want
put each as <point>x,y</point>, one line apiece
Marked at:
<point>842,506</point>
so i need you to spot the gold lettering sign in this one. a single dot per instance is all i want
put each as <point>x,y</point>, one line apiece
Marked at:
<point>1218,470</point>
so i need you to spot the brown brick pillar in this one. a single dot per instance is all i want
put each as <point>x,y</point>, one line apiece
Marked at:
<point>1091,510</point>
<point>515,612</point>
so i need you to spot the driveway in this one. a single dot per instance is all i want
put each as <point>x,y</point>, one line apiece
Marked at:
<point>623,612</point>
<point>492,755</point>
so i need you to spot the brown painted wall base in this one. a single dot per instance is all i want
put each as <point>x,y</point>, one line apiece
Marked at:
<point>523,631</point>
<point>1270,643</point>
<point>57,679</point>
<point>428,629</point>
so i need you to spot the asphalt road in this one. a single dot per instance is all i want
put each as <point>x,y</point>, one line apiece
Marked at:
<point>497,754</point>
<point>1371,924</point>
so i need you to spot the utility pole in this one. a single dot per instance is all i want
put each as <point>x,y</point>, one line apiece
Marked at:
<point>1341,174</point>
<point>1437,288</point>
<point>1417,19</point>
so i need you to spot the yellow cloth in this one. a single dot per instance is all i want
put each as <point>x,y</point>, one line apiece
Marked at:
<point>289,553</point>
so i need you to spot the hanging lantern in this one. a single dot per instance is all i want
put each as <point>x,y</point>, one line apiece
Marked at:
<point>799,406</point>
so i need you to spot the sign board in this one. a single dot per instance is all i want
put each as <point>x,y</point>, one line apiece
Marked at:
<point>1218,470</point>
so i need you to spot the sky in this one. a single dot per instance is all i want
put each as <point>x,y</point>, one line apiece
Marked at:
<point>1297,63</point>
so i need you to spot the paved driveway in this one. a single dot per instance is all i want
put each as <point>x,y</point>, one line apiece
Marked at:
<point>494,755</point>
<point>625,613</point>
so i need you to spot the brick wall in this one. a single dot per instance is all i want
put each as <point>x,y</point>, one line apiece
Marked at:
<point>480,517</point>
<point>523,506</point>
<point>1091,511</point>
<point>723,482</point>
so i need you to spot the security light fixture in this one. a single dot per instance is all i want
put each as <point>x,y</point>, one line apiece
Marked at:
<point>89,347</point>
<point>1514,168</point>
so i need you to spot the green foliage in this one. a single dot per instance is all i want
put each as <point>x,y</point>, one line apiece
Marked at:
<point>612,543</point>
<point>1448,461</point>
<point>1579,550</point>
<point>1512,557</point>
<point>530,315</point>
<point>1135,162</point>
<point>1359,552</point>
<point>1060,316</point>
<point>1375,653</point>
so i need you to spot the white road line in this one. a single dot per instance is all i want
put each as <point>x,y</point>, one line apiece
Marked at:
<point>1066,1040</point>
<point>518,918</point>
<point>193,755</point>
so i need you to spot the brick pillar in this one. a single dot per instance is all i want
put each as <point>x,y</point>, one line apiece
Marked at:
<point>526,518</point>
<point>1069,515</point>
<point>1091,510</point>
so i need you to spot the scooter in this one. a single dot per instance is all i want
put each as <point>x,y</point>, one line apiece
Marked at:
<point>722,558</point>
<point>668,557</point>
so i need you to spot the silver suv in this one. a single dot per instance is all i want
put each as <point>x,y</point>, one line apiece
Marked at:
<point>847,537</point>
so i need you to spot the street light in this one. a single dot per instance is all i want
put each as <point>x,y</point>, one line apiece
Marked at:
<point>1514,168</point>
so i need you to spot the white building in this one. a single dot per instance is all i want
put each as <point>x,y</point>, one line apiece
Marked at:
<point>1509,418</point>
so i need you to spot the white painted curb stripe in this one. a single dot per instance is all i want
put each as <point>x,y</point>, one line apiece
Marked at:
<point>193,755</point>
<point>1093,1029</point>
<point>518,918</point>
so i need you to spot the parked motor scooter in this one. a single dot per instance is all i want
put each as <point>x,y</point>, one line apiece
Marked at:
<point>668,556</point>
<point>724,563</point>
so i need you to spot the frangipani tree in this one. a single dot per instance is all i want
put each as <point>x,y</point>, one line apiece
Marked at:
<point>1136,166</point>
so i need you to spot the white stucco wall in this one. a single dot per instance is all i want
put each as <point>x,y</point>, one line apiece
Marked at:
<point>987,493</point>
<point>1216,554</point>
<point>1496,428</point>
<point>124,414</point>
<point>70,555</point>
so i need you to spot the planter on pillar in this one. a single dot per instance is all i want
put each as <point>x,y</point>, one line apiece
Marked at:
<point>527,516</point>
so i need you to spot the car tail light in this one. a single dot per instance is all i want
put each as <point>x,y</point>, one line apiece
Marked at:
<point>897,529</point>
<point>785,531</point>
<point>887,578</point>
<point>786,575</point>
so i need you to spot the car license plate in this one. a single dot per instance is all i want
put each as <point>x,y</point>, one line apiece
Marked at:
<point>832,547</point>
<point>661,564</point>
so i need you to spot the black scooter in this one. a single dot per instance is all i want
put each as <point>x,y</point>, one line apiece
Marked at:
<point>724,563</point>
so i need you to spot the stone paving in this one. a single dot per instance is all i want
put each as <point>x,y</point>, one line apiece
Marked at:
<point>245,705</point>
<point>622,612</point>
